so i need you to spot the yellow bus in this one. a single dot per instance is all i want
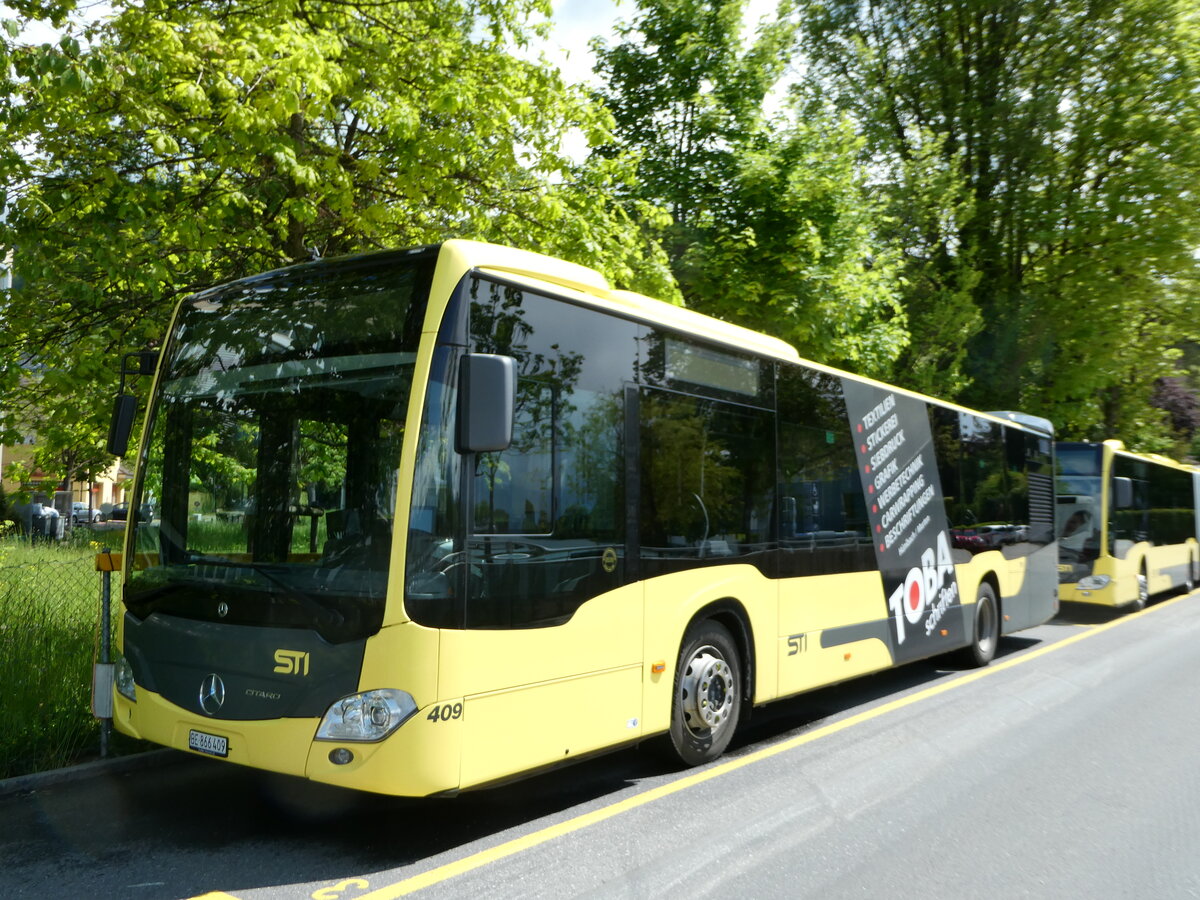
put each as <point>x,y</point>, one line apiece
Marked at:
<point>422,521</point>
<point>1127,525</point>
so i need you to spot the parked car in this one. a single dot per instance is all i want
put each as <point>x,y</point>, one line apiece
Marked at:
<point>120,513</point>
<point>80,513</point>
<point>967,539</point>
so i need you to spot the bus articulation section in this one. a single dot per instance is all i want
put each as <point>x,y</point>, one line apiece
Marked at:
<point>1127,524</point>
<point>426,520</point>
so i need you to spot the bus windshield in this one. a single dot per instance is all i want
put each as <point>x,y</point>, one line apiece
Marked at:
<point>1077,513</point>
<point>268,481</point>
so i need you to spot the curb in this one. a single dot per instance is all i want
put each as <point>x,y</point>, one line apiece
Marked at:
<point>151,759</point>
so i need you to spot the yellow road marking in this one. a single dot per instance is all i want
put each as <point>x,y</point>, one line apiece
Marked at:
<point>526,842</point>
<point>467,864</point>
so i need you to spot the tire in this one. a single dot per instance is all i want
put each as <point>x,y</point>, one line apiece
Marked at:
<point>1189,583</point>
<point>707,699</point>
<point>1143,591</point>
<point>985,630</point>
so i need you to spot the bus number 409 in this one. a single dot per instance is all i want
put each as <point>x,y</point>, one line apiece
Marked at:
<point>445,712</point>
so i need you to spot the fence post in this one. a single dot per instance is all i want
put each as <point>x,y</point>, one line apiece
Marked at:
<point>102,674</point>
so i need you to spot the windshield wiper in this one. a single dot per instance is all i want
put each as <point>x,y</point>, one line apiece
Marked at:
<point>144,603</point>
<point>329,617</point>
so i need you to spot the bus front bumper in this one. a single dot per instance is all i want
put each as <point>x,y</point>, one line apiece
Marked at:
<point>1097,591</point>
<point>419,759</point>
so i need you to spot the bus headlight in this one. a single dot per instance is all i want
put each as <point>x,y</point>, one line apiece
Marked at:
<point>1093,582</point>
<point>369,716</point>
<point>123,678</point>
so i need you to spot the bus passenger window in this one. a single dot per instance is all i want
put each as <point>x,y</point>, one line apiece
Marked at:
<point>823,520</point>
<point>544,529</point>
<point>706,477</point>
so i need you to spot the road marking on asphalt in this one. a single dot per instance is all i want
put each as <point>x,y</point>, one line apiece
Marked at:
<point>526,842</point>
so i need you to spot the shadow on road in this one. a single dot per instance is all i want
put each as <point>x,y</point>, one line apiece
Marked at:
<point>200,825</point>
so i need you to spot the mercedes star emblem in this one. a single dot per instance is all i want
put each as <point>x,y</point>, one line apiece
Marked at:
<point>212,694</point>
<point>222,609</point>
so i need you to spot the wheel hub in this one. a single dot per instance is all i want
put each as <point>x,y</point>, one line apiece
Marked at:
<point>707,690</point>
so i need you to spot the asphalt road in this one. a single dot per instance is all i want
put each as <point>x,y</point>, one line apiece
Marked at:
<point>1066,769</point>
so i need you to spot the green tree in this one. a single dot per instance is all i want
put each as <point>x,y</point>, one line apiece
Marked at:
<point>180,144</point>
<point>1039,163</point>
<point>791,250</point>
<point>683,90</point>
<point>771,225</point>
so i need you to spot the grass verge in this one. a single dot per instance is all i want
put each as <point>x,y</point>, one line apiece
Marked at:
<point>49,635</point>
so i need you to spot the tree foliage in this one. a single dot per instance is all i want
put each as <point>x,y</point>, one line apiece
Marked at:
<point>989,201</point>
<point>180,144</point>
<point>1179,402</point>
<point>1040,166</point>
<point>791,251</point>
<point>685,92</point>
<point>772,227</point>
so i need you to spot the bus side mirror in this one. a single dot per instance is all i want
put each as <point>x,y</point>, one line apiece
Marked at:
<point>1122,492</point>
<point>145,361</point>
<point>487,400</point>
<point>140,362</point>
<point>124,408</point>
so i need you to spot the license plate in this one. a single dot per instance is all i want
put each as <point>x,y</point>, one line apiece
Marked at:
<point>211,744</point>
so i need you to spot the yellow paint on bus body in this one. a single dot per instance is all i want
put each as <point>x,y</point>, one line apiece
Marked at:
<point>1122,589</point>
<point>539,696</point>
<point>1120,562</point>
<point>526,842</point>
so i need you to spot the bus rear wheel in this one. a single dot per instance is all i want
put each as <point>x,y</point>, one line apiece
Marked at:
<point>707,699</point>
<point>985,634</point>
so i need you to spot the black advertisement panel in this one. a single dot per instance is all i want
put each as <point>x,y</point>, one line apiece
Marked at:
<point>894,447</point>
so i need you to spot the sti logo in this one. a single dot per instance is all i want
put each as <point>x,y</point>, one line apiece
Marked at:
<point>291,662</point>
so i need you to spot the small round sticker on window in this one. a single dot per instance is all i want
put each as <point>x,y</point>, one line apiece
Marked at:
<point>609,560</point>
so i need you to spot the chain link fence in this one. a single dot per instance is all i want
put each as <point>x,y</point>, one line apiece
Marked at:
<point>49,638</point>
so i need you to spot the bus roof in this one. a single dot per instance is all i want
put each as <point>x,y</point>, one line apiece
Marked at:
<point>456,257</point>
<point>590,287</point>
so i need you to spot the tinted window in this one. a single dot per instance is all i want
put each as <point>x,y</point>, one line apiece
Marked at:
<point>1172,506</point>
<point>270,474</point>
<point>975,472</point>
<point>706,482</point>
<point>547,529</point>
<point>823,526</point>
<point>1163,510</point>
<point>1077,509</point>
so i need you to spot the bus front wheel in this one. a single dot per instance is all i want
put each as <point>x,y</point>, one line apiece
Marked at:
<point>707,697</point>
<point>1143,590</point>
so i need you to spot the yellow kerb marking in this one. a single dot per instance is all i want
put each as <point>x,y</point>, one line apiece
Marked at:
<point>477,860</point>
